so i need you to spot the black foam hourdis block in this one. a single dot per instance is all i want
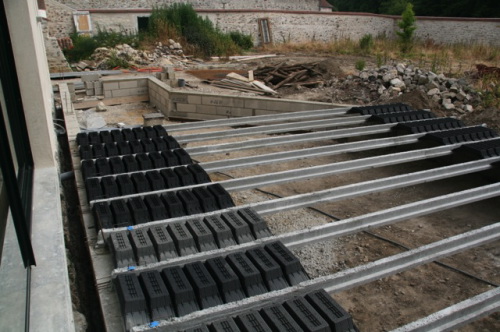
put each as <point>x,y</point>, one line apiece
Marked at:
<point>157,295</point>
<point>338,319</point>
<point>228,282</point>
<point>130,293</point>
<point>203,284</point>
<point>305,315</point>
<point>183,295</point>
<point>279,319</point>
<point>249,275</point>
<point>290,264</point>
<point>270,270</point>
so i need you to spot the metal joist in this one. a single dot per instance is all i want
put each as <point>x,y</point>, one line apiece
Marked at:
<point>289,139</point>
<point>340,281</point>
<point>258,119</point>
<point>353,225</point>
<point>322,151</point>
<point>457,315</point>
<point>272,129</point>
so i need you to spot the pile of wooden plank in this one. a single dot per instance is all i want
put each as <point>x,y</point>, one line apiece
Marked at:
<point>290,75</point>
<point>241,83</point>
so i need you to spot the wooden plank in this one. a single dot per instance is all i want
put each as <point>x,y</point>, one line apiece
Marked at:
<point>111,101</point>
<point>290,78</point>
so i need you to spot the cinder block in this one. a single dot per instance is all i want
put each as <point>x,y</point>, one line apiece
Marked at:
<point>265,112</point>
<point>178,98</point>
<point>89,92</point>
<point>256,104</point>
<point>217,101</point>
<point>108,94</point>
<point>142,83</point>
<point>107,86</point>
<point>206,109</point>
<point>127,84</point>
<point>90,77</point>
<point>193,99</point>
<point>186,108</point>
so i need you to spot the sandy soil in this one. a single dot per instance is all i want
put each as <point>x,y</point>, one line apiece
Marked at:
<point>390,302</point>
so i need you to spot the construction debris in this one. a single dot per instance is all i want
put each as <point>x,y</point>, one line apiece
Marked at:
<point>239,82</point>
<point>290,75</point>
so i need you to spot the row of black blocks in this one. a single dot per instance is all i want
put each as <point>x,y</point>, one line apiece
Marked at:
<point>201,285</point>
<point>139,210</point>
<point>128,147</point>
<point>120,135</point>
<point>144,246</point>
<point>130,163</point>
<point>141,182</point>
<point>380,109</point>
<point>316,311</point>
<point>424,126</point>
<point>402,116</point>
<point>460,135</point>
<point>481,150</point>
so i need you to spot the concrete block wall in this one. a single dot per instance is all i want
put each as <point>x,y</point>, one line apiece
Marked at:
<point>60,23</point>
<point>203,106</point>
<point>125,87</point>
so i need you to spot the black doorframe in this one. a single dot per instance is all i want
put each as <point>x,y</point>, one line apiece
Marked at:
<point>19,187</point>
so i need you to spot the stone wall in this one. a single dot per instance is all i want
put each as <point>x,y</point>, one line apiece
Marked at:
<point>60,23</point>
<point>305,5</point>
<point>55,57</point>
<point>303,26</point>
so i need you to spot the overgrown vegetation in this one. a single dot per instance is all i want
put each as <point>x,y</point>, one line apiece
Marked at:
<point>206,39</point>
<point>366,43</point>
<point>84,45</point>
<point>179,22</point>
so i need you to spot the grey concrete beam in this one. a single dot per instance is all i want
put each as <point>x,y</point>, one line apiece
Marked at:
<point>259,119</point>
<point>273,129</point>
<point>289,139</point>
<point>457,315</point>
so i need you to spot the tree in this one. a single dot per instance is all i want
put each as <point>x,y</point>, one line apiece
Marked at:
<point>393,7</point>
<point>407,26</point>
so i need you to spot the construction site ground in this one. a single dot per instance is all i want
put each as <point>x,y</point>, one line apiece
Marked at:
<point>393,301</point>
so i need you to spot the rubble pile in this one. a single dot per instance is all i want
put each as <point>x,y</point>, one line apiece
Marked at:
<point>386,82</point>
<point>161,55</point>
<point>290,75</point>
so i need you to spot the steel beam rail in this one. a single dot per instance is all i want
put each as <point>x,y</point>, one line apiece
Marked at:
<point>300,238</point>
<point>322,151</point>
<point>273,129</point>
<point>457,315</point>
<point>339,193</point>
<point>263,159</point>
<point>256,181</point>
<point>289,139</point>
<point>302,174</point>
<point>363,188</point>
<point>258,119</point>
<point>339,281</point>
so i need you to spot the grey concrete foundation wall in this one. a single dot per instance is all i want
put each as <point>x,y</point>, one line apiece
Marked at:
<point>174,103</point>
<point>125,87</point>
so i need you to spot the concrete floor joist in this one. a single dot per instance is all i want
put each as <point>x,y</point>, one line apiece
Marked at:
<point>340,281</point>
<point>259,119</point>
<point>273,129</point>
<point>457,315</point>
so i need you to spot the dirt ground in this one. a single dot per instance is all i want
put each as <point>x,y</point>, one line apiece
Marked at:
<point>402,298</point>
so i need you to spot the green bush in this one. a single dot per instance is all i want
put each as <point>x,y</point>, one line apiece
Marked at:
<point>112,38</point>
<point>366,43</point>
<point>242,40</point>
<point>83,47</point>
<point>360,65</point>
<point>115,61</point>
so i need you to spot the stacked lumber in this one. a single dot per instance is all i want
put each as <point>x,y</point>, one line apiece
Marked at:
<point>238,82</point>
<point>290,75</point>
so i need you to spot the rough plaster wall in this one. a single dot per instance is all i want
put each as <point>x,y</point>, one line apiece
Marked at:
<point>60,22</point>
<point>467,31</point>
<point>309,5</point>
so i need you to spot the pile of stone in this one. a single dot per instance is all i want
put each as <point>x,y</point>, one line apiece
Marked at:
<point>160,56</point>
<point>390,81</point>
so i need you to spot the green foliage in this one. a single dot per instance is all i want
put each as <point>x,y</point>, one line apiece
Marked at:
<point>366,43</point>
<point>456,8</point>
<point>393,7</point>
<point>407,26</point>
<point>115,61</point>
<point>105,38</point>
<point>83,47</point>
<point>242,40</point>
<point>360,65</point>
<point>197,31</point>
